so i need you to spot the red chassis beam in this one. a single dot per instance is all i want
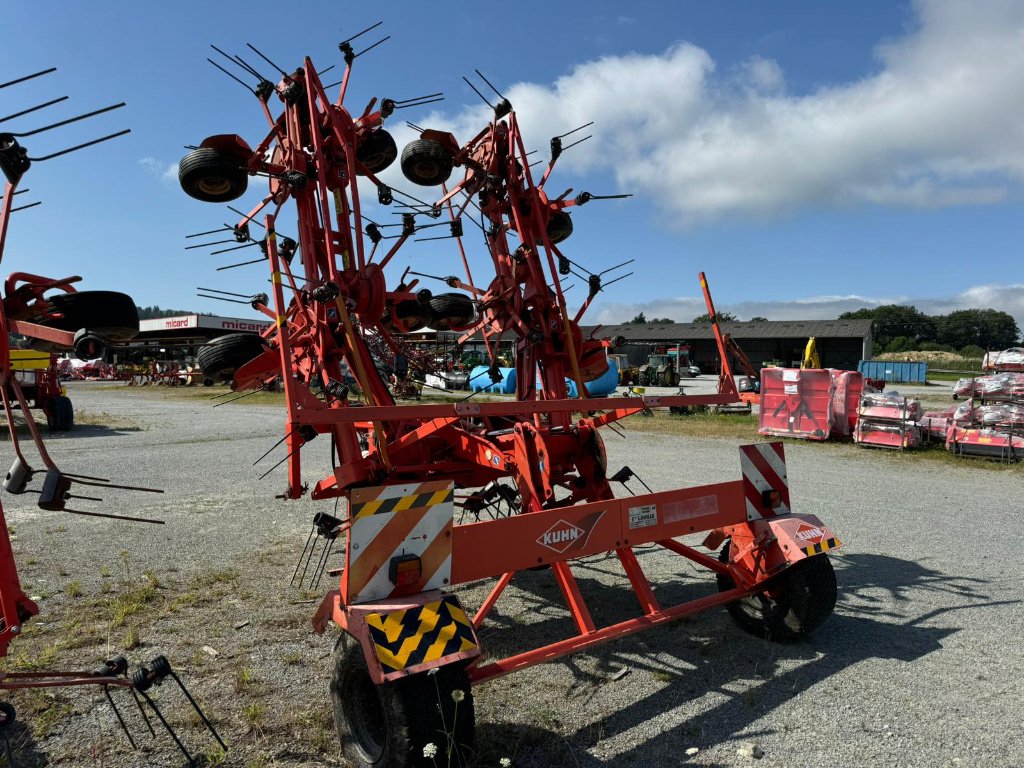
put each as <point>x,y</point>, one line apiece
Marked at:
<point>628,405</point>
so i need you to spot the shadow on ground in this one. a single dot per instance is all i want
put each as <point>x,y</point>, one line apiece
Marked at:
<point>876,618</point>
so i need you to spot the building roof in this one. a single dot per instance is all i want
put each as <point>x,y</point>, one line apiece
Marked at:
<point>768,329</point>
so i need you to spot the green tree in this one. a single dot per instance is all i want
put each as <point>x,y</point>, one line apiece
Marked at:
<point>639,319</point>
<point>723,317</point>
<point>986,328</point>
<point>893,320</point>
<point>661,320</point>
<point>759,319</point>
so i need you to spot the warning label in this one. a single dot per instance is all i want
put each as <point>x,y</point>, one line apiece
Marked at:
<point>642,517</point>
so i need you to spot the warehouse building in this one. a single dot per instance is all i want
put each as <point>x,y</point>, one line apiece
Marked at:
<point>841,343</point>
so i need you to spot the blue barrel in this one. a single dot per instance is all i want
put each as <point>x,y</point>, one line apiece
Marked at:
<point>480,381</point>
<point>605,384</point>
<point>895,372</point>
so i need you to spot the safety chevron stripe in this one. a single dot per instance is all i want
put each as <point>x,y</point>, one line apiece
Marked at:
<point>392,520</point>
<point>381,506</point>
<point>821,546</point>
<point>764,469</point>
<point>426,633</point>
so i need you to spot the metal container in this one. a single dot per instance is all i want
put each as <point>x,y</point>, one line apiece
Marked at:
<point>888,371</point>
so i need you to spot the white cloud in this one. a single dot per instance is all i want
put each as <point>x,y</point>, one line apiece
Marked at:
<point>1006,298</point>
<point>166,173</point>
<point>940,123</point>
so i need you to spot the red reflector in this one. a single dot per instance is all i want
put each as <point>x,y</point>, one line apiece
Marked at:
<point>405,571</point>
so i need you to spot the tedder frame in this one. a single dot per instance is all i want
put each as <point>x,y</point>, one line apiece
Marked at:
<point>443,494</point>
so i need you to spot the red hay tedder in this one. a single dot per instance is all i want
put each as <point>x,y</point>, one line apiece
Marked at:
<point>444,494</point>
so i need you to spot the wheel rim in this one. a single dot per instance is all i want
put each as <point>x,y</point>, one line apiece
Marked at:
<point>365,715</point>
<point>425,169</point>
<point>214,185</point>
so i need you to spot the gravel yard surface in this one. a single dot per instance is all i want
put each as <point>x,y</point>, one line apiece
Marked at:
<point>920,665</point>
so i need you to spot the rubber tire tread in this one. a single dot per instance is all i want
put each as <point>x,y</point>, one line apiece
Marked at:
<point>559,227</point>
<point>206,162</point>
<point>225,354</point>
<point>418,710</point>
<point>808,597</point>
<point>110,314</point>
<point>452,311</point>
<point>379,145</point>
<point>425,150</point>
<point>61,414</point>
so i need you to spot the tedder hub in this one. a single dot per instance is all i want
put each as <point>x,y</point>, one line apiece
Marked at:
<point>447,493</point>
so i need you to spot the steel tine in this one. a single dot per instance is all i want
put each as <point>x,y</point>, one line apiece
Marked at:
<point>167,726</point>
<point>302,578</point>
<point>302,555</point>
<point>199,711</point>
<point>321,565</point>
<point>120,719</point>
<point>142,711</point>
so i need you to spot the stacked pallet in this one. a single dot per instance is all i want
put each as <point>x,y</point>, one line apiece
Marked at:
<point>888,420</point>
<point>990,421</point>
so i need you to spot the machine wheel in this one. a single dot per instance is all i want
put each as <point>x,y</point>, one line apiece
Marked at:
<point>212,176</point>
<point>377,151</point>
<point>669,378</point>
<point>559,226</point>
<point>411,313</point>
<point>109,314</point>
<point>225,354</point>
<point>60,414</point>
<point>426,163</point>
<point>7,716</point>
<point>452,311</point>
<point>388,725</point>
<point>796,602</point>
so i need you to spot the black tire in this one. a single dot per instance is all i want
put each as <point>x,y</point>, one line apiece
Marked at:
<point>559,226</point>
<point>377,151</point>
<point>60,415</point>
<point>411,313</point>
<point>109,314</point>
<point>225,354</point>
<point>805,595</point>
<point>212,176</point>
<point>452,311</point>
<point>426,163</point>
<point>388,725</point>
<point>7,715</point>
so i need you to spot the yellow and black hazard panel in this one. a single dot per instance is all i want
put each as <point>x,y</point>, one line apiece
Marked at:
<point>822,546</point>
<point>418,637</point>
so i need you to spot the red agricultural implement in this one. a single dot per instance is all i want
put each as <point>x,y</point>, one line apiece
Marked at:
<point>445,494</point>
<point>53,316</point>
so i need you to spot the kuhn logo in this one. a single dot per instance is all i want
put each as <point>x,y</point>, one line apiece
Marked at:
<point>560,536</point>
<point>807,533</point>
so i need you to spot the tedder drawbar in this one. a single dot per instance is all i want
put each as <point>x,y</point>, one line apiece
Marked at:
<point>448,493</point>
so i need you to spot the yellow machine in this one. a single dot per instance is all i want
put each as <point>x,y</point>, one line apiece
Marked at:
<point>811,359</point>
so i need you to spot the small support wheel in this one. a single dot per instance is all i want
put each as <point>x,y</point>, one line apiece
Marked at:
<point>559,226</point>
<point>60,414</point>
<point>794,603</point>
<point>452,311</point>
<point>377,151</point>
<point>426,163</point>
<point>7,716</point>
<point>393,725</point>
<point>212,176</point>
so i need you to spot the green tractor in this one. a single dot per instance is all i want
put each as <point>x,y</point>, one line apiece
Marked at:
<point>659,371</point>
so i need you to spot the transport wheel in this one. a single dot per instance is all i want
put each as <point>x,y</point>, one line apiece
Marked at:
<point>559,227</point>
<point>60,414</point>
<point>7,715</point>
<point>452,311</point>
<point>796,602</point>
<point>377,151</point>
<point>411,313</point>
<point>426,163</point>
<point>225,354</point>
<point>390,725</point>
<point>109,314</point>
<point>212,176</point>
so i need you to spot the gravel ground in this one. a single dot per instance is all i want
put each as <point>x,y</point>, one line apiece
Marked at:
<point>919,666</point>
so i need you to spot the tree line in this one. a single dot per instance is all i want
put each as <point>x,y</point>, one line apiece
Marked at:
<point>899,328</point>
<point>148,313</point>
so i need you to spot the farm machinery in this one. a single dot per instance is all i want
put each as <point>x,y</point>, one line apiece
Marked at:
<point>442,494</point>
<point>52,315</point>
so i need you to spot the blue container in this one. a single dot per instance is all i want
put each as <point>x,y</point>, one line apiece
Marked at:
<point>480,381</point>
<point>606,384</point>
<point>895,372</point>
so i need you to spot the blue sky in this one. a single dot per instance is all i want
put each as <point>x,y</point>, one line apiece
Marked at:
<point>810,157</point>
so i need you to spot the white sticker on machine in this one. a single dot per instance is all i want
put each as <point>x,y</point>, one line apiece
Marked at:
<point>791,389</point>
<point>642,517</point>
